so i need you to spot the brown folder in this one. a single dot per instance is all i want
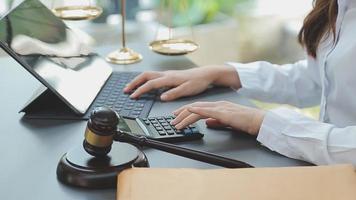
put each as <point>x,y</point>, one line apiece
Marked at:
<point>289,183</point>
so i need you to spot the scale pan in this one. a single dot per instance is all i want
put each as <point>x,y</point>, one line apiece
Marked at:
<point>78,12</point>
<point>173,47</point>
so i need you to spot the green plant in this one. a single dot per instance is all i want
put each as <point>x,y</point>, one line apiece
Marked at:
<point>191,12</point>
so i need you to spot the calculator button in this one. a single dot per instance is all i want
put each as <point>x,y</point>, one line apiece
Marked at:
<point>167,127</point>
<point>187,131</point>
<point>159,128</point>
<point>147,122</point>
<point>195,130</point>
<point>170,132</point>
<point>165,124</point>
<point>180,132</point>
<point>161,133</point>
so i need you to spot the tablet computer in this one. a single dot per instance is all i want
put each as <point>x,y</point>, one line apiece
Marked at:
<point>53,54</point>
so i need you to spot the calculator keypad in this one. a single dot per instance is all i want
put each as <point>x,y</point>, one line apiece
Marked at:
<point>164,130</point>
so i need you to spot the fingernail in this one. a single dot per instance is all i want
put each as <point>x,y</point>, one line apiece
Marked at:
<point>164,97</point>
<point>173,122</point>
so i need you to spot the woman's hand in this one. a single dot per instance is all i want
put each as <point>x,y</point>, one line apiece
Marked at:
<point>184,82</point>
<point>220,114</point>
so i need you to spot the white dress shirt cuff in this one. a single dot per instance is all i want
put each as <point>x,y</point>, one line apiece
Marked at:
<point>248,76</point>
<point>271,133</point>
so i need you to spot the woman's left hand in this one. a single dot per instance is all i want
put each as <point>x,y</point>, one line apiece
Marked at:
<point>221,113</point>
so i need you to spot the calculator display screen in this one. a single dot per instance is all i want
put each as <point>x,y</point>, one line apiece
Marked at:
<point>129,125</point>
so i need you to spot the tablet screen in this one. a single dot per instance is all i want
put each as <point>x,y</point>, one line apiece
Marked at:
<point>54,54</point>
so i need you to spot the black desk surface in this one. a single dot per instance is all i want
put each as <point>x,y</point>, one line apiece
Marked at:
<point>30,149</point>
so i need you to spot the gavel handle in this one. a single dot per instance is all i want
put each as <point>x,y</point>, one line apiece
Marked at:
<point>181,151</point>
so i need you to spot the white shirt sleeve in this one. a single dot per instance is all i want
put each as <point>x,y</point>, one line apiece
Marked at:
<point>296,84</point>
<point>294,135</point>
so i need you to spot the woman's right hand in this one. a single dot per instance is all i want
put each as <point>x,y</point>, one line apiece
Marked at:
<point>183,82</point>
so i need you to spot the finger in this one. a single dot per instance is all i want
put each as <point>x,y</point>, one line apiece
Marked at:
<point>185,113</point>
<point>207,112</point>
<point>222,115</point>
<point>140,79</point>
<point>181,109</point>
<point>195,104</point>
<point>192,118</point>
<point>214,123</point>
<point>176,92</point>
<point>150,85</point>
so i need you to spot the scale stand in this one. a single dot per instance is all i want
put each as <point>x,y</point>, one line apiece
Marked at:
<point>125,55</point>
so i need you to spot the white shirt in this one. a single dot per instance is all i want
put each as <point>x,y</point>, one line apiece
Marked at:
<point>328,80</point>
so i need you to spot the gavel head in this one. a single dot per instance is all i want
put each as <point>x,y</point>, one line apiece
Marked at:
<point>100,131</point>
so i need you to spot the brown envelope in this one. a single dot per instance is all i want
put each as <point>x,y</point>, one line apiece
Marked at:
<point>289,183</point>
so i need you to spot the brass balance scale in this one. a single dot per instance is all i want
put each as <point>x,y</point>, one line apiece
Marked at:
<point>170,46</point>
<point>77,12</point>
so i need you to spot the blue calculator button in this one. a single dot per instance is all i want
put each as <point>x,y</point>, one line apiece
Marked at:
<point>195,130</point>
<point>187,131</point>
